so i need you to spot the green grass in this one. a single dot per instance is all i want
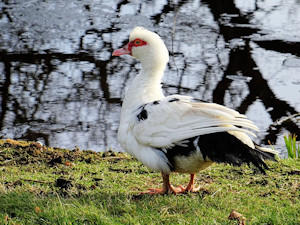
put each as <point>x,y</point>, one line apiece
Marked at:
<point>104,189</point>
<point>293,148</point>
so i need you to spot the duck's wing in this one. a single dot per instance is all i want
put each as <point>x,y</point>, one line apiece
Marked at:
<point>173,119</point>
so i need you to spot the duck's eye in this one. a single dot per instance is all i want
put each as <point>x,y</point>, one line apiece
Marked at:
<point>138,42</point>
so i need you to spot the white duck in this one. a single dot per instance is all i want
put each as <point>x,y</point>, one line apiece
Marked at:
<point>176,133</point>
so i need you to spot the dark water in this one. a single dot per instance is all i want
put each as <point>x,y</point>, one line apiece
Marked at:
<point>61,86</point>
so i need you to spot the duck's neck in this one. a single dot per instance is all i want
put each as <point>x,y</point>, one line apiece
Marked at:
<point>145,87</point>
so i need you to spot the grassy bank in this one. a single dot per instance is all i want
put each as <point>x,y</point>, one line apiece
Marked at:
<point>41,185</point>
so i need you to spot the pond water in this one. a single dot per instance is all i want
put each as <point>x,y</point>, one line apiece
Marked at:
<point>60,85</point>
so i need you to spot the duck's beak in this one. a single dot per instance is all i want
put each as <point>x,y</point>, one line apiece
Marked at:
<point>122,51</point>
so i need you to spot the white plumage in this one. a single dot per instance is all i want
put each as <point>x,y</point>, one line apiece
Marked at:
<point>173,133</point>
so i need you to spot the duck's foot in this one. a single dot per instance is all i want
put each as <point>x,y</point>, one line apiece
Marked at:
<point>191,187</point>
<point>168,188</point>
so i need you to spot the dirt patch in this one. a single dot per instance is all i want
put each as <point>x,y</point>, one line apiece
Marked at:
<point>14,152</point>
<point>63,183</point>
<point>294,172</point>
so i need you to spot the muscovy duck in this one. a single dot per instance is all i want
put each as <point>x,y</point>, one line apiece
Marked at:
<point>177,133</point>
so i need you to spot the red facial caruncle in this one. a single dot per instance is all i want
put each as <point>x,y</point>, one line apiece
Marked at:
<point>127,49</point>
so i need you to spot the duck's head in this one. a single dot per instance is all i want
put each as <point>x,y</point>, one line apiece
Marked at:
<point>146,46</point>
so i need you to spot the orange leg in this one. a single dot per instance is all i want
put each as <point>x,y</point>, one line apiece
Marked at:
<point>191,187</point>
<point>168,188</point>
